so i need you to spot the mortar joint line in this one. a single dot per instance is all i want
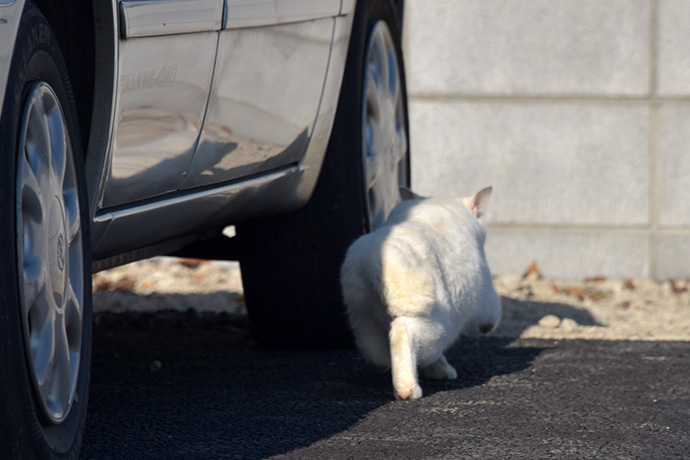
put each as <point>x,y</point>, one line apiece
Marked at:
<point>654,138</point>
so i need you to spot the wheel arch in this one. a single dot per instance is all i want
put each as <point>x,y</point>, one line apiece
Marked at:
<point>81,28</point>
<point>399,12</point>
<point>72,22</point>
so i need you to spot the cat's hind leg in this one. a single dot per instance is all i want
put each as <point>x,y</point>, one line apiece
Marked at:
<point>440,370</point>
<point>403,362</point>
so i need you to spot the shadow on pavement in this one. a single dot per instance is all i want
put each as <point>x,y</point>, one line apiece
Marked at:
<point>187,385</point>
<point>518,315</point>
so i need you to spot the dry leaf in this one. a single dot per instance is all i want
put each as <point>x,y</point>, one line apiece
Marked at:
<point>527,291</point>
<point>596,295</point>
<point>677,288</point>
<point>575,292</point>
<point>629,284</point>
<point>532,270</point>
<point>101,285</point>
<point>595,279</point>
<point>125,283</point>
<point>190,263</point>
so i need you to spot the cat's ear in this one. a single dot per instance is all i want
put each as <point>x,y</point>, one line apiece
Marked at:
<point>478,202</point>
<point>407,194</point>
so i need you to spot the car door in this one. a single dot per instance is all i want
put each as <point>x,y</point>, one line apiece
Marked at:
<point>269,76</point>
<point>167,51</point>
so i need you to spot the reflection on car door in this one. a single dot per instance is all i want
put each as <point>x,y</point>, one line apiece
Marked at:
<point>166,58</point>
<point>269,76</point>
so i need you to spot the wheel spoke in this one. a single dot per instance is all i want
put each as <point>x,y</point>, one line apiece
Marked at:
<point>75,267</point>
<point>73,334</point>
<point>32,236</point>
<point>380,60</point>
<point>32,208</point>
<point>393,77</point>
<point>34,281</point>
<point>61,378</point>
<point>373,77</point>
<point>32,203</point>
<point>33,161</point>
<point>371,171</point>
<point>372,114</point>
<point>71,202</point>
<point>400,143</point>
<point>42,338</point>
<point>38,139</point>
<point>58,145</point>
<point>73,320</point>
<point>385,137</point>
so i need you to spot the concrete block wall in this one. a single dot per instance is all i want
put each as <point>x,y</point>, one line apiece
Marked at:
<point>576,111</point>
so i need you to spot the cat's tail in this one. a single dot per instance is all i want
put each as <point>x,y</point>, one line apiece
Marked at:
<point>407,288</point>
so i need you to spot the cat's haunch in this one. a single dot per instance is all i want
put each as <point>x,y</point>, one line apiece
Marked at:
<point>418,282</point>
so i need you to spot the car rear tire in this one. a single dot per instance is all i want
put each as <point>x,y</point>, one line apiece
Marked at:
<point>45,281</point>
<point>290,263</point>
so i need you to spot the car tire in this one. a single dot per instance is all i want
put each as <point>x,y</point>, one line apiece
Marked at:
<point>45,281</point>
<point>290,263</point>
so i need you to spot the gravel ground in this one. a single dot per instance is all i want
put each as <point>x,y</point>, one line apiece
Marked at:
<point>533,306</point>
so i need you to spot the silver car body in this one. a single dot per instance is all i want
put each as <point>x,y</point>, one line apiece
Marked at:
<point>205,112</point>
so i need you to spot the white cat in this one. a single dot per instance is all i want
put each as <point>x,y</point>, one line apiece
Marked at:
<point>414,285</point>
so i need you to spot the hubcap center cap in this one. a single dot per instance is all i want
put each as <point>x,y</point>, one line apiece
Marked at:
<point>61,252</point>
<point>57,249</point>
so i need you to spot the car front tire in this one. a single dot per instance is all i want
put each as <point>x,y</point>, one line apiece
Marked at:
<point>45,282</point>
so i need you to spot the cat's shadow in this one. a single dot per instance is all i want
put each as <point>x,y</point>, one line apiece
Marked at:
<point>477,361</point>
<point>520,315</point>
<point>170,385</point>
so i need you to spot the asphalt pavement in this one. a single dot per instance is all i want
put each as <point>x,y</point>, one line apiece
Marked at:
<point>190,386</point>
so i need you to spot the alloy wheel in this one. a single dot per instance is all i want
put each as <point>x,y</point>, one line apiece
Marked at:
<point>49,253</point>
<point>384,132</point>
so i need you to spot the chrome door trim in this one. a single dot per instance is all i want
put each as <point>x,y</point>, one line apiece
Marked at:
<point>347,7</point>
<point>135,226</point>
<point>255,13</point>
<point>146,18</point>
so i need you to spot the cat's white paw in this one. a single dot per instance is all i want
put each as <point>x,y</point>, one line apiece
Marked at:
<point>409,394</point>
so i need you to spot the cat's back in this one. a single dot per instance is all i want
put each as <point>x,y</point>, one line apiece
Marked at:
<point>432,225</point>
<point>439,214</point>
<point>430,235</point>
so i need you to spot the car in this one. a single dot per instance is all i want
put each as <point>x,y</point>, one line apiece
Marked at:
<point>135,128</point>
